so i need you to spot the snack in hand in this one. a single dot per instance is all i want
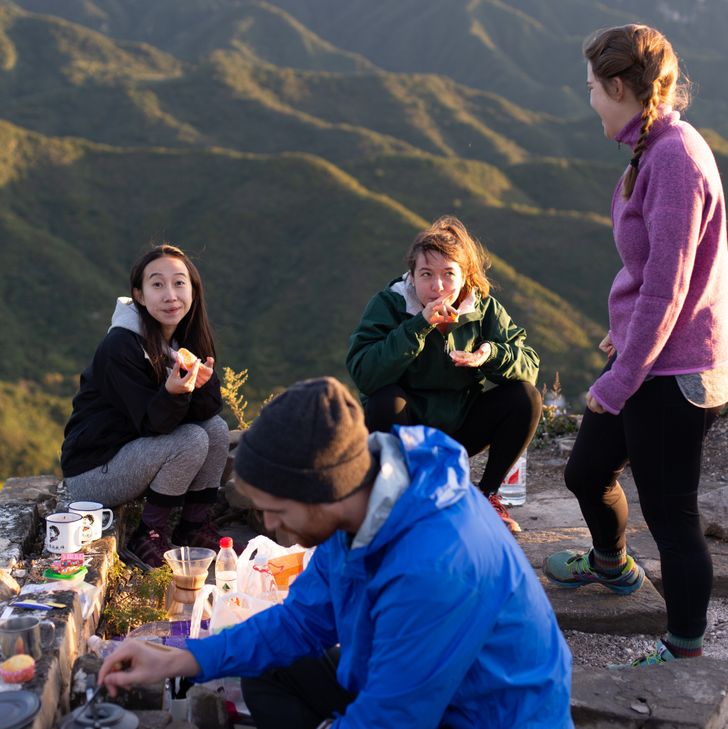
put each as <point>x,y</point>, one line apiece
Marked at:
<point>17,669</point>
<point>186,358</point>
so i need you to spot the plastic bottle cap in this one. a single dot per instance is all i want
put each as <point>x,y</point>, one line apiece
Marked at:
<point>226,542</point>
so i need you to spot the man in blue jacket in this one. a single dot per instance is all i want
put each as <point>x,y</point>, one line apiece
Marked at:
<point>440,619</point>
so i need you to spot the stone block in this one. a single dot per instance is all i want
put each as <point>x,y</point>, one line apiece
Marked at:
<point>9,588</point>
<point>592,608</point>
<point>29,490</point>
<point>713,505</point>
<point>154,719</point>
<point>18,531</point>
<point>207,708</point>
<point>689,694</point>
<point>235,498</point>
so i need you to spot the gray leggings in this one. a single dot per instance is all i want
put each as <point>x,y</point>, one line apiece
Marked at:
<point>190,458</point>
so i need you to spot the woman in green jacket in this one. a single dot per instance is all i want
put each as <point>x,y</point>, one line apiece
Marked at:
<point>434,348</point>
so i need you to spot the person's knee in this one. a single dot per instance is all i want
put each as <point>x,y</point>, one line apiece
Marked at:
<point>217,431</point>
<point>195,442</point>
<point>525,402</point>
<point>386,407</point>
<point>533,401</point>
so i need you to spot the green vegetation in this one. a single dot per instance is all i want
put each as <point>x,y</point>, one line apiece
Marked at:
<point>232,395</point>
<point>295,147</point>
<point>31,428</point>
<point>556,421</point>
<point>134,599</point>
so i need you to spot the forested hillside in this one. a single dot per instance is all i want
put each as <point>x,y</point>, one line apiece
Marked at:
<point>295,148</point>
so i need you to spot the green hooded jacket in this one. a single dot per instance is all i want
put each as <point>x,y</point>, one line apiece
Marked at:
<point>394,344</point>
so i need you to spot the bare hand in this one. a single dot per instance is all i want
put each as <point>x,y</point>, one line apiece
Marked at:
<point>472,359</point>
<point>178,385</point>
<point>607,347</point>
<point>593,404</point>
<point>441,311</point>
<point>205,372</point>
<point>137,662</point>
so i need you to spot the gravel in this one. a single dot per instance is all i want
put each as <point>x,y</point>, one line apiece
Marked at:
<point>599,650</point>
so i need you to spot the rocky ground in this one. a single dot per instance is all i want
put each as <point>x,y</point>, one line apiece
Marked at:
<point>545,470</point>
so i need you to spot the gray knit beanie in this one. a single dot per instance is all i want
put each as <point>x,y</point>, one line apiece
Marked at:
<point>308,444</point>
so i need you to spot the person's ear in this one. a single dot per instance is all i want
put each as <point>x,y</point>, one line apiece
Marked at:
<point>616,88</point>
<point>138,296</point>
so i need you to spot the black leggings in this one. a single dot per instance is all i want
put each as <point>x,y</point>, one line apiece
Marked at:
<point>661,434</point>
<point>504,418</point>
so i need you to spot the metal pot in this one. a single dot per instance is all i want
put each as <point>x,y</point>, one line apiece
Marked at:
<point>106,716</point>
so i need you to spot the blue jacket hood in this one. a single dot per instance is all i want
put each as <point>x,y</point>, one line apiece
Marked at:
<point>431,483</point>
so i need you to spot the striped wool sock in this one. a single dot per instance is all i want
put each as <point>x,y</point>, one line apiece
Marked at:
<point>684,647</point>
<point>609,563</point>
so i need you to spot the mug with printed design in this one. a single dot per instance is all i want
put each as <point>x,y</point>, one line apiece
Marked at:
<point>92,513</point>
<point>63,532</point>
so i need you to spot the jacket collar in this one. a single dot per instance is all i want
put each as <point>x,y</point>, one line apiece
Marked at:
<point>630,133</point>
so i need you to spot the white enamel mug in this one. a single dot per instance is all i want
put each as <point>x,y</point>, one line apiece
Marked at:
<point>92,513</point>
<point>63,532</point>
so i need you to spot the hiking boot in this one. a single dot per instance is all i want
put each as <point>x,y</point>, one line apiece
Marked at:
<point>574,569</point>
<point>660,655</point>
<point>149,546</point>
<point>500,509</point>
<point>189,534</point>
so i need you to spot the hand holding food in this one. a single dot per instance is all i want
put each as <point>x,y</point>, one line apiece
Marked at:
<point>440,311</point>
<point>186,358</point>
<point>472,359</point>
<point>205,372</point>
<point>176,384</point>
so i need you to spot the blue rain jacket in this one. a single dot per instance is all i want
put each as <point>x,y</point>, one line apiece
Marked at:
<point>441,620</point>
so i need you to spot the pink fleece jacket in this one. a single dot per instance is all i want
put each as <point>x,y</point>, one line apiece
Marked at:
<point>668,307</point>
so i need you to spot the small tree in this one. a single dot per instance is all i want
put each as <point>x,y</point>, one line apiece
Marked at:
<point>232,394</point>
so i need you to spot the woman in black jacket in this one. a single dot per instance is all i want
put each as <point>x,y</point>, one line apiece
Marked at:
<point>144,423</point>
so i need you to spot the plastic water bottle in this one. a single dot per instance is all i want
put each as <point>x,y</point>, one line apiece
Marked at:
<point>226,567</point>
<point>513,489</point>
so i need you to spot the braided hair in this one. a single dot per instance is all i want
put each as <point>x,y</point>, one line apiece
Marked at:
<point>645,62</point>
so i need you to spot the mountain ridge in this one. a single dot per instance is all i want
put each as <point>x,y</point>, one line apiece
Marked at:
<point>295,152</point>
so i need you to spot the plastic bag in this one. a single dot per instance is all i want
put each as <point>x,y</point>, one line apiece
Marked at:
<point>284,564</point>
<point>225,610</point>
<point>262,583</point>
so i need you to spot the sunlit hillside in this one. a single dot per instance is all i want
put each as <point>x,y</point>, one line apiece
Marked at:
<point>295,148</point>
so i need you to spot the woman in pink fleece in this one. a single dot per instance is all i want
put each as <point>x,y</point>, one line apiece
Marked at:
<point>667,372</point>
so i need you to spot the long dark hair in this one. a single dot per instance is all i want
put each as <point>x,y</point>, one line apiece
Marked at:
<point>193,332</point>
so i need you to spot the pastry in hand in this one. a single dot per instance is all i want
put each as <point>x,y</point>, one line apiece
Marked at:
<point>17,669</point>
